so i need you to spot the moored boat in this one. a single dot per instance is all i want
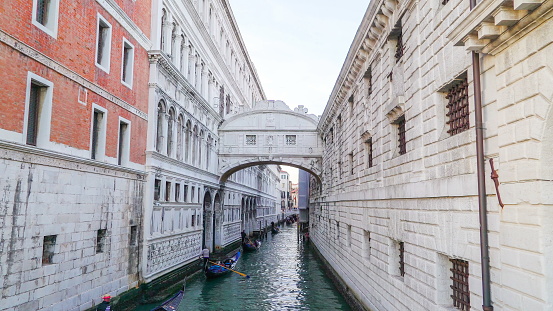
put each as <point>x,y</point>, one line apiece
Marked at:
<point>172,303</point>
<point>216,270</point>
<point>251,246</point>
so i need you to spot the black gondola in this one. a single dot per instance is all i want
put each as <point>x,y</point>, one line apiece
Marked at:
<point>213,271</point>
<point>251,246</point>
<point>172,303</point>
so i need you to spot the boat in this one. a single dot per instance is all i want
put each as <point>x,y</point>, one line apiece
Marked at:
<point>172,303</point>
<point>251,246</point>
<point>214,270</point>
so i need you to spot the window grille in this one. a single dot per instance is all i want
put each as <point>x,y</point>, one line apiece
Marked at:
<point>401,134</point>
<point>401,259</point>
<point>460,287</point>
<point>458,108</point>
<point>100,240</point>
<point>290,140</point>
<point>251,139</point>
<point>48,249</point>
<point>42,11</point>
<point>399,46</point>
<point>369,144</point>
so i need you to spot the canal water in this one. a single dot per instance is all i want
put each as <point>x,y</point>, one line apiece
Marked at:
<point>284,275</point>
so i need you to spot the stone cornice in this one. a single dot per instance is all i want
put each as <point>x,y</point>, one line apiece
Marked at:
<point>81,164</point>
<point>122,18</point>
<point>30,52</point>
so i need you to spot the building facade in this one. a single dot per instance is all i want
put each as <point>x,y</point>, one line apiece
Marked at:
<point>397,213</point>
<point>73,114</point>
<point>200,74</point>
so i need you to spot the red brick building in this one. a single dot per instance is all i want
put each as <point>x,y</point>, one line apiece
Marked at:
<point>73,122</point>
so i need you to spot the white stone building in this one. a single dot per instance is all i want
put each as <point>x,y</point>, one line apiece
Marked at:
<point>200,74</point>
<point>397,216</point>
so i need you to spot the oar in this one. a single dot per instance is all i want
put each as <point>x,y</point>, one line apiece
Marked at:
<point>239,273</point>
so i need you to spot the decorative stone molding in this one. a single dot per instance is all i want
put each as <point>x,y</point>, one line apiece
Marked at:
<point>395,109</point>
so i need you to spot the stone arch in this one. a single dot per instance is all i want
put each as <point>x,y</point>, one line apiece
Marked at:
<point>161,109</point>
<point>218,221</point>
<point>208,222</point>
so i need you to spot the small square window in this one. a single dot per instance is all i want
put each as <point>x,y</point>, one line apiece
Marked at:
<point>48,246</point>
<point>458,108</point>
<point>45,16</point>
<point>251,139</point>
<point>290,140</point>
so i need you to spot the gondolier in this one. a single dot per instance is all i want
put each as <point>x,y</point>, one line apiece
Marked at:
<point>104,305</point>
<point>205,255</point>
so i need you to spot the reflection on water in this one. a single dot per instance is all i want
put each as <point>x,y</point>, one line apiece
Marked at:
<point>284,276</point>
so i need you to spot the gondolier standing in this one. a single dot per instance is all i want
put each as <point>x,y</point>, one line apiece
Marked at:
<point>205,255</point>
<point>104,305</point>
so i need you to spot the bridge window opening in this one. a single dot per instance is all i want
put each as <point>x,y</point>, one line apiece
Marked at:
<point>290,140</point>
<point>251,139</point>
<point>177,192</point>
<point>48,248</point>
<point>460,287</point>
<point>100,240</point>
<point>167,191</point>
<point>157,189</point>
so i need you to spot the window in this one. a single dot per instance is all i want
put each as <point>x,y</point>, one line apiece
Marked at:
<point>157,189</point>
<point>368,80</point>
<point>100,240</point>
<point>45,16</point>
<point>133,241</point>
<point>290,140</point>
<point>351,163</point>
<point>251,139</point>
<point>369,147</point>
<point>193,220</point>
<point>193,194</point>
<point>185,197</point>
<point>128,63</point>
<point>177,192</point>
<point>366,244</point>
<point>401,135</point>
<point>460,287</point>
<point>350,104</point>
<point>167,191</point>
<point>123,143</point>
<point>38,111</point>
<point>348,235</point>
<point>103,44</point>
<point>98,134</point>
<point>458,108</point>
<point>399,46</point>
<point>401,259</point>
<point>48,246</point>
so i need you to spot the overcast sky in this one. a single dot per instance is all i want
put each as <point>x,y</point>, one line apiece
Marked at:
<point>298,46</point>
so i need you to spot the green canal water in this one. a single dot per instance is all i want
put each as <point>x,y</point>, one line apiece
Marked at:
<point>284,275</point>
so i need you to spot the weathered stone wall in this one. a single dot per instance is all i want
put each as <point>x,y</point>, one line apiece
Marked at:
<point>427,197</point>
<point>44,195</point>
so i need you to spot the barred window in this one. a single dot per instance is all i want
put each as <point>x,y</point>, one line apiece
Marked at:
<point>458,108</point>
<point>48,246</point>
<point>401,135</point>
<point>460,286</point>
<point>251,139</point>
<point>401,259</point>
<point>290,139</point>
<point>399,46</point>
<point>42,11</point>
<point>369,146</point>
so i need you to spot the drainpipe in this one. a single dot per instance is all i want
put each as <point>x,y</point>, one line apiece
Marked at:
<point>482,204</point>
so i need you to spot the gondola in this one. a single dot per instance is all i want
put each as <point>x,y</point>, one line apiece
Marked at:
<point>213,271</point>
<point>250,246</point>
<point>172,303</point>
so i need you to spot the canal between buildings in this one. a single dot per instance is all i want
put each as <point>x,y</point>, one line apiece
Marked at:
<point>284,275</point>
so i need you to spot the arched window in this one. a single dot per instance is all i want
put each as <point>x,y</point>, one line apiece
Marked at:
<point>200,147</point>
<point>187,147</point>
<point>180,129</point>
<point>194,144</point>
<point>163,24</point>
<point>170,130</point>
<point>160,118</point>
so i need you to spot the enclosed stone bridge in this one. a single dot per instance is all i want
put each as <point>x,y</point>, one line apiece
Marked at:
<point>270,133</point>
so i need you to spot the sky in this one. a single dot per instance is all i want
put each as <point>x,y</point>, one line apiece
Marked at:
<point>298,46</point>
